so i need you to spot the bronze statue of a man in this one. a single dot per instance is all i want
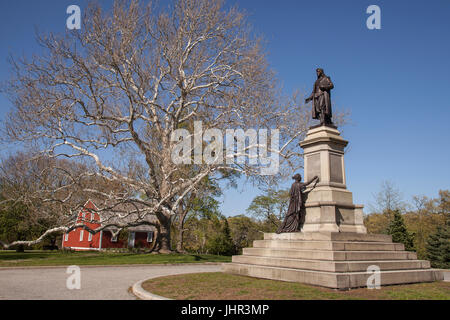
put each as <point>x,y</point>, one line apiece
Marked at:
<point>295,217</point>
<point>321,98</point>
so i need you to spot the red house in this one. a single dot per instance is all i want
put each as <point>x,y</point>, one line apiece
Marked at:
<point>80,239</point>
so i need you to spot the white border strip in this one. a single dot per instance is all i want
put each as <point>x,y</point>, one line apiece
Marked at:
<point>139,292</point>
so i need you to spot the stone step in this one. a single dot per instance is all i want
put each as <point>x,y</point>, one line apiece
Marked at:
<point>330,255</point>
<point>329,245</point>
<point>335,236</point>
<point>331,266</point>
<point>334,280</point>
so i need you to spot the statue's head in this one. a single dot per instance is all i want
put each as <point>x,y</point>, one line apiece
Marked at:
<point>297,177</point>
<point>319,72</point>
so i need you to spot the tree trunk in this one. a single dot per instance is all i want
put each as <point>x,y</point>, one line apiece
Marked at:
<point>180,238</point>
<point>164,235</point>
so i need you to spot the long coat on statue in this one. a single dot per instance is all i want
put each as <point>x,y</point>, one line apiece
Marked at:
<point>296,211</point>
<point>322,97</point>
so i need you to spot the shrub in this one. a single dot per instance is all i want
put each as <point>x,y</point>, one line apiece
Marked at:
<point>397,229</point>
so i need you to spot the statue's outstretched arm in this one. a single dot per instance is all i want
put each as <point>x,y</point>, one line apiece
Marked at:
<point>311,181</point>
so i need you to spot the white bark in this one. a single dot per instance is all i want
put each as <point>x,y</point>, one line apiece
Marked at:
<point>112,94</point>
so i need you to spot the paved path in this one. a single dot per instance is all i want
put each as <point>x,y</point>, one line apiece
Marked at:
<point>102,283</point>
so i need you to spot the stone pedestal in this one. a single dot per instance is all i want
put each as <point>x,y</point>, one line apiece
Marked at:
<point>329,205</point>
<point>333,250</point>
<point>337,260</point>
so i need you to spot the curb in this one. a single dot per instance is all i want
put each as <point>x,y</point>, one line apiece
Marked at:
<point>142,294</point>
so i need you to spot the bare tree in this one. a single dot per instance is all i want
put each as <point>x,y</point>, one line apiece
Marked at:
<point>47,192</point>
<point>27,181</point>
<point>388,199</point>
<point>113,94</point>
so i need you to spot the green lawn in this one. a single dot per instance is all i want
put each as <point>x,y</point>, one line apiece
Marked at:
<point>58,258</point>
<point>222,286</point>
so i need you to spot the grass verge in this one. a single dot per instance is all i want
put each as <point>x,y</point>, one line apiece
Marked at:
<point>222,286</point>
<point>58,258</point>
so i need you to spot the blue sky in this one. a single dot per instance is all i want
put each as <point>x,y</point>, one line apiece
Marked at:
<point>394,81</point>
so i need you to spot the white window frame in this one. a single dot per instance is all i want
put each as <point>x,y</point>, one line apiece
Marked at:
<point>66,237</point>
<point>114,237</point>
<point>150,236</point>
<point>81,234</point>
<point>90,237</point>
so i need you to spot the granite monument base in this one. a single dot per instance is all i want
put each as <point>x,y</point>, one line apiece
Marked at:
<point>333,250</point>
<point>329,205</point>
<point>337,260</point>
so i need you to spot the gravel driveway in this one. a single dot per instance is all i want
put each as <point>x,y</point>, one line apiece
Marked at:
<point>99,282</point>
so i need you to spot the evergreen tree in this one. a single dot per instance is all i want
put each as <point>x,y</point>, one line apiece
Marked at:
<point>438,247</point>
<point>397,229</point>
<point>222,243</point>
<point>228,240</point>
